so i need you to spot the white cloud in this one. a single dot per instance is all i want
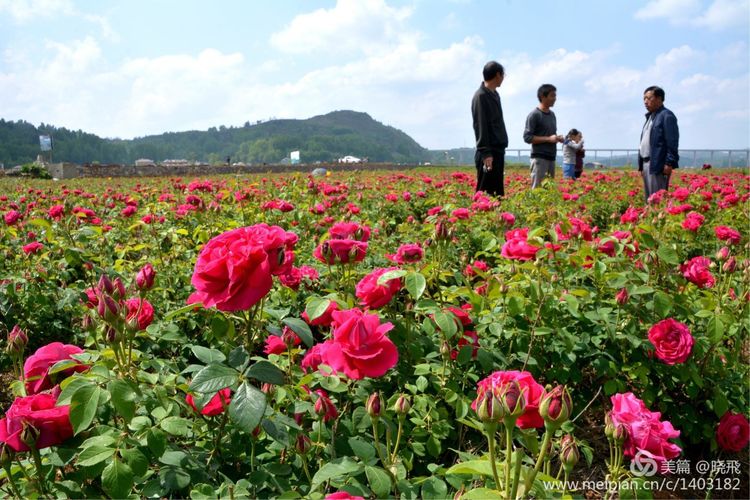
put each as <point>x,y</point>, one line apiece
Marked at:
<point>25,10</point>
<point>352,25</point>
<point>719,15</point>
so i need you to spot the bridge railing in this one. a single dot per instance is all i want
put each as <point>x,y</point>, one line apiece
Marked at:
<point>689,158</point>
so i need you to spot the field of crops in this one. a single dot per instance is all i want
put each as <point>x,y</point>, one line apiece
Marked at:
<point>373,334</point>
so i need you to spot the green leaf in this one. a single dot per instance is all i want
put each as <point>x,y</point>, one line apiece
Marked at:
<point>117,479</point>
<point>83,405</point>
<point>721,405</point>
<point>247,407</point>
<point>181,311</point>
<point>207,355</point>
<point>177,426</point>
<point>239,358</point>
<point>472,467</point>
<point>390,275</point>
<point>300,328</point>
<point>136,460</point>
<point>265,371</point>
<point>316,307</point>
<point>662,304</point>
<point>379,481</point>
<point>668,255</point>
<point>94,455</point>
<point>62,366</point>
<point>415,284</point>
<point>362,449</point>
<point>213,378</point>
<point>174,478</point>
<point>447,323</point>
<point>715,330</point>
<point>70,386</point>
<point>123,398</point>
<point>434,489</point>
<point>157,442</point>
<point>482,494</point>
<point>335,469</point>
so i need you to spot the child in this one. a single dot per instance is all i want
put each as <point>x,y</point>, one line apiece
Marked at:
<point>579,160</point>
<point>571,145</point>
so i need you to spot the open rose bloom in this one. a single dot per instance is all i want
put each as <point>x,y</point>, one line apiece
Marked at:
<point>646,431</point>
<point>37,411</point>
<point>235,270</point>
<point>672,341</point>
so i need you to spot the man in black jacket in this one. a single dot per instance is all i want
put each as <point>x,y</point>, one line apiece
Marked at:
<point>489,131</point>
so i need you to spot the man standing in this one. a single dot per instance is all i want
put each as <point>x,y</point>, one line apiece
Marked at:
<point>541,133</point>
<point>660,139</point>
<point>489,131</point>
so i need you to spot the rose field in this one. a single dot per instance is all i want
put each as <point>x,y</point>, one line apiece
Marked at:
<point>375,335</point>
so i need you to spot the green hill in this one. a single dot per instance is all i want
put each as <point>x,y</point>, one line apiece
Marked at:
<point>320,138</point>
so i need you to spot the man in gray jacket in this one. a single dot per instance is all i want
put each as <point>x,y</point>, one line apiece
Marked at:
<point>541,133</point>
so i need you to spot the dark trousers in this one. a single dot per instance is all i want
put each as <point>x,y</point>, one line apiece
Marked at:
<point>491,182</point>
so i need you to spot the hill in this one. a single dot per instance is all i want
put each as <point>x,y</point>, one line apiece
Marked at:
<point>320,138</point>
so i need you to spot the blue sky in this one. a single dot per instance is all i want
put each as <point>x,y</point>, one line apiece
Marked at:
<point>140,67</point>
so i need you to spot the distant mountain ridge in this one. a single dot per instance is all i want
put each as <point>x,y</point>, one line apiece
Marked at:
<point>320,138</point>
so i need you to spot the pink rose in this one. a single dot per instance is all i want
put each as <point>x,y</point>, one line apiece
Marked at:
<point>337,251</point>
<point>530,388</point>
<point>645,430</point>
<point>342,495</point>
<point>37,411</point>
<point>728,235</point>
<point>696,271</point>
<point>36,367</point>
<point>407,254</point>
<point>359,347</point>
<point>518,249</point>
<point>12,216</point>
<point>234,270</point>
<point>693,221</point>
<point>349,231</point>
<point>733,432</point>
<point>372,294</point>
<point>32,247</point>
<point>215,406</point>
<point>672,341</point>
<point>140,313</point>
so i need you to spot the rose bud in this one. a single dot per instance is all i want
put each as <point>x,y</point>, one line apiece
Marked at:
<point>326,252</point>
<point>622,296</point>
<point>144,279</point>
<point>6,455</point>
<point>723,254</point>
<point>17,340</point>
<point>87,323</point>
<point>105,284</point>
<point>107,308</point>
<point>609,427</point>
<point>569,454</point>
<point>620,433</point>
<point>555,407</point>
<point>118,289</point>
<point>441,232</point>
<point>513,400</point>
<point>374,405</point>
<point>303,444</point>
<point>490,409</point>
<point>730,265</point>
<point>268,389</point>
<point>403,405</point>
<point>29,435</point>
<point>111,334</point>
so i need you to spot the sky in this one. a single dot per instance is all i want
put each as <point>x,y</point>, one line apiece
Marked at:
<point>141,67</point>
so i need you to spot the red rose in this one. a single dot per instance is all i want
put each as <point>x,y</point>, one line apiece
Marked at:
<point>672,341</point>
<point>215,406</point>
<point>349,231</point>
<point>32,247</point>
<point>408,253</point>
<point>696,271</point>
<point>372,294</point>
<point>38,364</point>
<point>37,411</point>
<point>727,234</point>
<point>518,249</point>
<point>530,388</point>
<point>234,270</point>
<point>359,347</point>
<point>140,313</point>
<point>342,495</point>
<point>733,432</point>
<point>324,319</point>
